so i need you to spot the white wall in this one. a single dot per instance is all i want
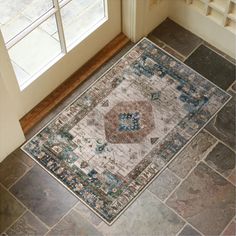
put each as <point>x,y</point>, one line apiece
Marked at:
<point>203,26</point>
<point>11,135</point>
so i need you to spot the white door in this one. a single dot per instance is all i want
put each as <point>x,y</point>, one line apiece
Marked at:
<point>48,40</point>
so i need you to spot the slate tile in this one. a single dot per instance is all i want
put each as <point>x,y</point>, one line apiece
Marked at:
<point>230,230</point>
<point>27,225</point>
<point>205,199</point>
<point>164,184</point>
<point>146,216</point>
<point>87,213</point>
<point>222,125</point>
<point>180,39</point>
<point>74,224</point>
<point>10,209</point>
<point>232,60</point>
<point>192,154</point>
<point>212,66</point>
<point>232,177</point>
<point>10,170</point>
<point>189,231</point>
<point>23,157</point>
<point>222,159</point>
<point>43,195</point>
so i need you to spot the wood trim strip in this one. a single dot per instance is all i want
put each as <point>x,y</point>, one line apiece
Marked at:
<point>68,86</point>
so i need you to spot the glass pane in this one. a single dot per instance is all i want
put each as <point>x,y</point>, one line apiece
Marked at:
<point>16,15</point>
<point>79,16</point>
<point>33,52</point>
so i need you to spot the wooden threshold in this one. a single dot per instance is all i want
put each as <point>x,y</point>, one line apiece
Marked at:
<point>68,86</point>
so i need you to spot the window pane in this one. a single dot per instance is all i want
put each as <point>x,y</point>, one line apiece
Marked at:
<point>16,15</point>
<point>33,52</point>
<point>80,16</point>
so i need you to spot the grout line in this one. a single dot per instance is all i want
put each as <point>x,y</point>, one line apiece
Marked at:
<point>178,53</point>
<point>190,54</point>
<point>182,218</point>
<point>59,221</point>
<point>23,205</point>
<point>83,216</point>
<point>217,172</point>
<point>181,229</point>
<point>227,226</point>
<point>15,221</point>
<point>29,168</point>
<point>219,140</point>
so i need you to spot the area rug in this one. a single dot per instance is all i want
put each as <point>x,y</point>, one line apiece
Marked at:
<point>114,139</point>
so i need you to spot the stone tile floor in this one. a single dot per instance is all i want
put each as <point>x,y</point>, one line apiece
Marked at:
<point>195,195</point>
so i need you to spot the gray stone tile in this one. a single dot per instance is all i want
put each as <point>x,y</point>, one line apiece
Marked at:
<point>189,231</point>
<point>87,214</point>
<point>222,159</point>
<point>27,225</point>
<point>212,66</point>
<point>164,184</point>
<point>43,195</point>
<point>74,224</point>
<point>223,124</point>
<point>146,216</point>
<point>10,209</point>
<point>192,154</point>
<point>205,199</point>
<point>10,170</point>
<point>180,39</point>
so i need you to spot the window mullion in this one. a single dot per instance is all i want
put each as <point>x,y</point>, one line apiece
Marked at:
<point>60,26</point>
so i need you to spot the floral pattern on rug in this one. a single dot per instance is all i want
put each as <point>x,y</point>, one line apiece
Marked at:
<point>116,137</point>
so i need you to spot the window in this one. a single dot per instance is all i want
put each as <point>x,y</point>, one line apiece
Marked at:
<point>39,32</point>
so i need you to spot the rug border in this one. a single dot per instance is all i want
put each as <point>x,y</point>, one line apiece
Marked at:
<point>163,168</point>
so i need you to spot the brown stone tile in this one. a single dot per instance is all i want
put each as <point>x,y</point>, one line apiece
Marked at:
<point>192,154</point>
<point>230,230</point>
<point>222,159</point>
<point>10,170</point>
<point>10,209</point>
<point>223,124</point>
<point>27,225</point>
<point>43,195</point>
<point>205,199</point>
<point>178,38</point>
<point>87,214</point>
<point>189,231</point>
<point>156,40</point>
<point>74,224</point>
<point>164,184</point>
<point>23,157</point>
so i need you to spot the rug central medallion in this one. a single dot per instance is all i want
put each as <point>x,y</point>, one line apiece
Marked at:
<point>129,122</point>
<point>110,143</point>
